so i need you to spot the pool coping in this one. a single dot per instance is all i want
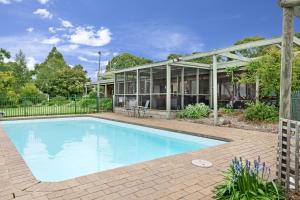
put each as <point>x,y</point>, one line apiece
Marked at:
<point>31,184</point>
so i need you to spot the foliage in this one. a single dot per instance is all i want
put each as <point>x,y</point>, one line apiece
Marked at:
<point>196,111</point>
<point>55,77</point>
<point>105,104</point>
<point>226,110</point>
<point>31,93</point>
<point>87,102</point>
<point>247,182</point>
<point>252,52</point>
<point>58,101</point>
<point>4,55</point>
<point>261,112</point>
<point>125,60</point>
<point>67,82</point>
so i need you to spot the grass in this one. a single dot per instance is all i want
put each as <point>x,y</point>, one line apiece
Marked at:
<point>45,110</point>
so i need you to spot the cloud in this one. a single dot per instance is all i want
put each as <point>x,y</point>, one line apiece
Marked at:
<point>52,40</point>
<point>88,36</point>
<point>9,1</point>
<point>51,30</point>
<point>87,60</point>
<point>30,29</point>
<point>43,13</point>
<point>43,1</point>
<point>31,62</point>
<point>156,40</point>
<point>66,23</point>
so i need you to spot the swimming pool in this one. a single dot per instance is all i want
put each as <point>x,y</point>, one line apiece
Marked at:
<point>64,148</point>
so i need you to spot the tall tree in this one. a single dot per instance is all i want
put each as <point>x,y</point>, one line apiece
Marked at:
<point>46,71</point>
<point>126,60</point>
<point>251,52</point>
<point>20,70</point>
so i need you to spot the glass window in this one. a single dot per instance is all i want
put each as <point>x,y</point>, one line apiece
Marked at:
<point>190,81</point>
<point>130,82</point>
<point>119,83</point>
<point>159,80</point>
<point>144,76</point>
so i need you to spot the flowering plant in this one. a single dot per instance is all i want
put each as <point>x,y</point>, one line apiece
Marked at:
<point>245,180</point>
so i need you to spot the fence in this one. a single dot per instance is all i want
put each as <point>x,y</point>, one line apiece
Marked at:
<point>295,106</point>
<point>35,106</point>
<point>288,155</point>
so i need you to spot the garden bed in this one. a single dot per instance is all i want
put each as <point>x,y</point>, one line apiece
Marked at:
<point>237,120</point>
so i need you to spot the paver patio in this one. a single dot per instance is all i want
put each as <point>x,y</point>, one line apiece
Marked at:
<point>172,177</point>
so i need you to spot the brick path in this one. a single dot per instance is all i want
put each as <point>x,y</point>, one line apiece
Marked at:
<point>171,178</point>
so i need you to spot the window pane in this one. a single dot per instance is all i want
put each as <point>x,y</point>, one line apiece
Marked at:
<point>159,80</point>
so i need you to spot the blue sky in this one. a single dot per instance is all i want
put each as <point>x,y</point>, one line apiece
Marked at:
<point>147,28</point>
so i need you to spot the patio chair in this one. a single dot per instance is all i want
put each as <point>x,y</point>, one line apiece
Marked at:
<point>2,114</point>
<point>144,109</point>
<point>130,108</point>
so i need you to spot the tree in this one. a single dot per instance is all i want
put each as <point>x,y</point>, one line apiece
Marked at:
<point>68,82</point>
<point>46,71</point>
<point>20,70</point>
<point>126,60</point>
<point>4,54</point>
<point>252,52</point>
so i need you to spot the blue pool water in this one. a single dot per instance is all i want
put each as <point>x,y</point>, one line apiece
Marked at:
<point>60,149</point>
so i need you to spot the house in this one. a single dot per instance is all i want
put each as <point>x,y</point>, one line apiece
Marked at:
<point>173,84</point>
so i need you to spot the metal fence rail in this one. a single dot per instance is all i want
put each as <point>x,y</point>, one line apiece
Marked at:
<point>35,106</point>
<point>295,110</point>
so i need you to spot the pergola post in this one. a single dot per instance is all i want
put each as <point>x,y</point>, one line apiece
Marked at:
<point>124,89</point>
<point>151,86</point>
<point>197,85</point>
<point>114,94</point>
<point>137,87</point>
<point>257,89</point>
<point>210,89</point>
<point>286,63</point>
<point>105,90</point>
<point>215,89</point>
<point>168,98</point>
<point>182,88</point>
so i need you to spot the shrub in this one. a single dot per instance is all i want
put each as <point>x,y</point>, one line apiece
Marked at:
<point>58,101</point>
<point>86,102</point>
<point>195,111</point>
<point>243,181</point>
<point>261,112</point>
<point>105,104</point>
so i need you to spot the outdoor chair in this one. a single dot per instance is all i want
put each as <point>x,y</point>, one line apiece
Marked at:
<point>130,108</point>
<point>2,114</point>
<point>144,109</point>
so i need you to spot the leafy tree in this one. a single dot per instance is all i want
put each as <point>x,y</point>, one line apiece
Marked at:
<point>68,81</point>
<point>173,56</point>
<point>4,54</point>
<point>126,60</point>
<point>252,52</point>
<point>20,70</point>
<point>46,71</point>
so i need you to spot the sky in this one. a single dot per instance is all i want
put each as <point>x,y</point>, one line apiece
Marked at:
<point>146,28</point>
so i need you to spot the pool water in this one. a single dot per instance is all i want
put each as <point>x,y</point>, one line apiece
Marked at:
<point>60,149</point>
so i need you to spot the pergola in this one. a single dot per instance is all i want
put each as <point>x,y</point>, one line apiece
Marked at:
<point>230,57</point>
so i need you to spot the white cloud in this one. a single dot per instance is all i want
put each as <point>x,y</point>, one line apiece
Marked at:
<point>43,1</point>
<point>53,40</point>
<point>66,23</point>
<point>88,36</point>
<point>43,13</point>
<point>51,30</point>
<point>31,63</point>
<point>30,29</point>
<point>9,1</point>
<point>87,60</point>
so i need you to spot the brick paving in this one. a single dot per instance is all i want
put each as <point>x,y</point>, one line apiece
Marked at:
<point>167,178</point>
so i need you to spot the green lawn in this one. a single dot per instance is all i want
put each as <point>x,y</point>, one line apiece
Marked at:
<point>45,110</point>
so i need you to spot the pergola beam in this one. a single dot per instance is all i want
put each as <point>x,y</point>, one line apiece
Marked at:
<point>289,3</point>
<point>179,64</point>
<point>234,48</point>
<point>195,64</point>
<point>235,57</point>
